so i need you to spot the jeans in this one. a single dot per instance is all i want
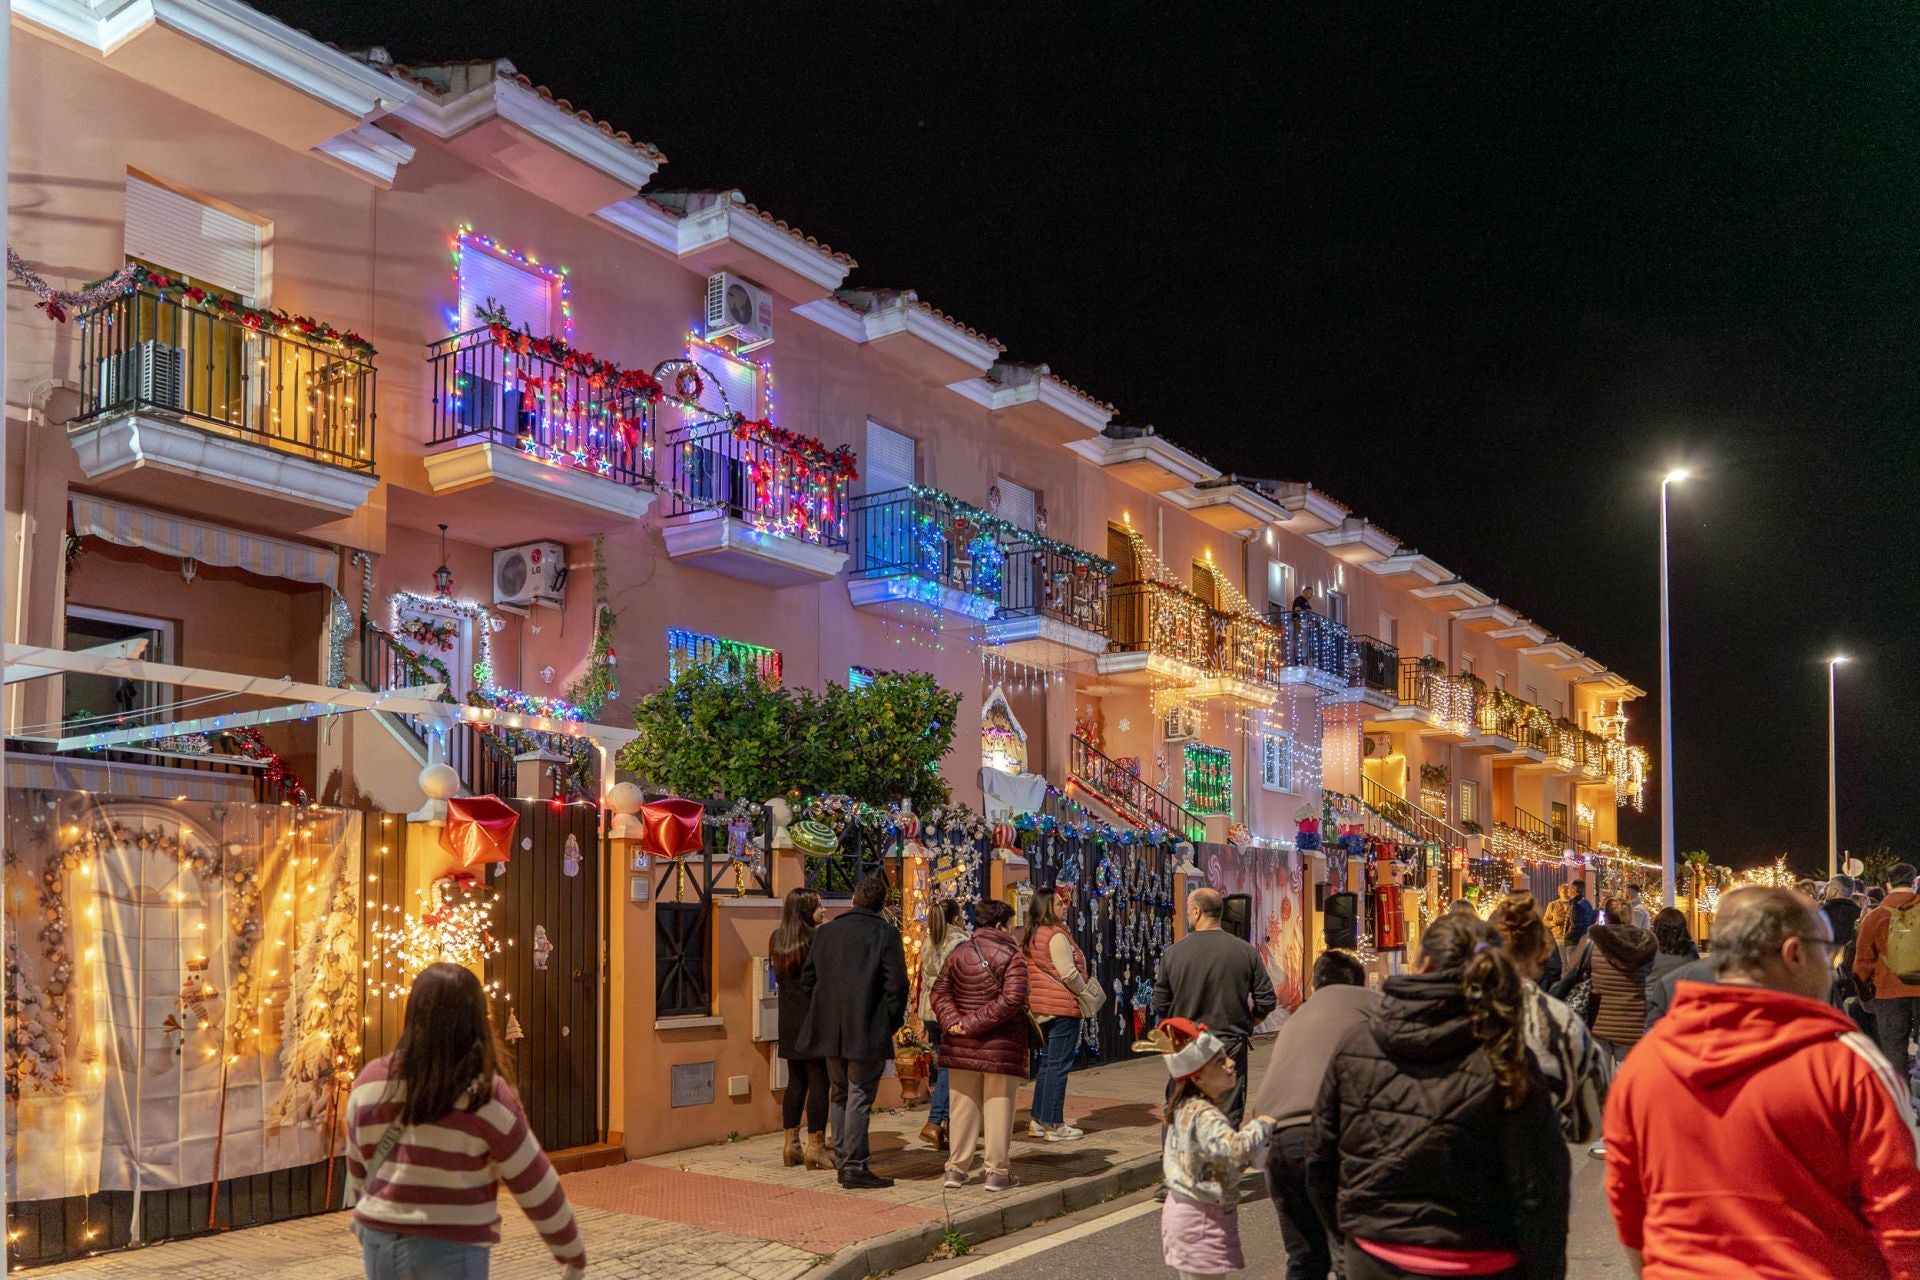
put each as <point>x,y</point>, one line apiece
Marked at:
<point>1310,1251</point>
<point>1896,1018</point>
<point>1050,1081</point>
<point>394,1255</point>
<point>939,1106</point>
<point>806,1094</point>
<point>854,1084</point>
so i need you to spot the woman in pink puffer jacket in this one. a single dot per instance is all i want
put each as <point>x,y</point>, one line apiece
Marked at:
<point>981,1000</point>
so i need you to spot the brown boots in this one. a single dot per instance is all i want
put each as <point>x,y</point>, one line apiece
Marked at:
<point>816,1153</point>
<point>934,1135</point>
<point>790,1149</point>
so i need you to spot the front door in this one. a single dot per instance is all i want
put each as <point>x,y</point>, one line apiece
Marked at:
<point>550,910</point>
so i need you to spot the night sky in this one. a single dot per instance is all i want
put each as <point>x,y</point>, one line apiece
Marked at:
<point>1482,272</point>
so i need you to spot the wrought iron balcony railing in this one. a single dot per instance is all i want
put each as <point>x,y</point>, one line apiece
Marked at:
<point>1150,617</point>
<point>549,408</point>
<point>1247,648</point>
<point>1376,665</point>
<point>1042,578</point>
<point>1317,642</point>
<point>936,540</point>
<point>711,467</point>
<point>151,351</point>
<point>1130,795</point>
<point>1451,702</point>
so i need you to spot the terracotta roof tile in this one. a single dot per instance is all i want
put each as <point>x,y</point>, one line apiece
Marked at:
<point>646,149</point>
<point>504,70</point>
<point>864,298</point>
<point>677,203</point>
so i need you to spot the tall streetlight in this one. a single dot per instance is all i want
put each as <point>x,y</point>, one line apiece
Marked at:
<point>1833,804</point>
<point>1666,703</point>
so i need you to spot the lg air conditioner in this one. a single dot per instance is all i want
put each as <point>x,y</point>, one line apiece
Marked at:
<point>740,310</point>
<point>535,573</point>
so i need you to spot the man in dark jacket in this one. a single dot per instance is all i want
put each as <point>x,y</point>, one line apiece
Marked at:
<point>855,985</point>
<point>1215,979</point>
<point>1583,915</point>
<point>1298,1063</point>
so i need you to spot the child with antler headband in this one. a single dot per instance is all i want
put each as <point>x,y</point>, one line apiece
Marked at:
<point>1204,1154</point>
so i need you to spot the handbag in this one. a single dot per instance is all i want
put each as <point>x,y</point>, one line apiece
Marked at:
<point>1579,996</point>
<point>1090,996</point>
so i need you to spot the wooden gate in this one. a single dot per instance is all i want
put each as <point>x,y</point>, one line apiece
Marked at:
<point>550,898</point>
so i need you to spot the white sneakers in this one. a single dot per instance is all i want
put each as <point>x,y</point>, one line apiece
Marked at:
<point>1054,1133</point>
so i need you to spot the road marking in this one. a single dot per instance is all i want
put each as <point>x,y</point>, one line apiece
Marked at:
<point>1092,1226</point>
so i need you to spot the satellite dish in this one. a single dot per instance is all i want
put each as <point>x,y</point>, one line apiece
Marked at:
<point>1853,866</point>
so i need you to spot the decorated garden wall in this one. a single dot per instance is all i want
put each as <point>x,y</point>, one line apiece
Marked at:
<point>184,1007</point>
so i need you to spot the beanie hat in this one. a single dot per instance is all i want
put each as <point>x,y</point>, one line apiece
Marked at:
<point>1186,1046</point>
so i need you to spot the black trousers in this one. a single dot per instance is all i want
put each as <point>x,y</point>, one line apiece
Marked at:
<point>806,1087</point>
<point>1310,1254</point>
<point>1362,1265</point>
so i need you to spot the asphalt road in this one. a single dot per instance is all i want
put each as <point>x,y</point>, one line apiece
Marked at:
<point>1122,1239</point>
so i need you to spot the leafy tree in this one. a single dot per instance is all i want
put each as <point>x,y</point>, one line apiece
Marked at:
<point>714,734</point>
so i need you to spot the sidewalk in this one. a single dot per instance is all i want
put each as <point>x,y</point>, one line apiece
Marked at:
<point>749,1217</point>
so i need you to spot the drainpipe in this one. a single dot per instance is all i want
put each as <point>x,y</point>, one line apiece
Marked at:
<point>6,587</point>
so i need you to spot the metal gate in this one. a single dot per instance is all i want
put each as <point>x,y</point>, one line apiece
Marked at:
<point>550,911</point>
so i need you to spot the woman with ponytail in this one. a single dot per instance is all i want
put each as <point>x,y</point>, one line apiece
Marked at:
<point>1435,1148</point>
<point>1574,1070</point>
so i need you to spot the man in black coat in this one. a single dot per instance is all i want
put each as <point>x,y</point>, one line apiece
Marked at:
<point>855,985</point>
<point>1217,980</point>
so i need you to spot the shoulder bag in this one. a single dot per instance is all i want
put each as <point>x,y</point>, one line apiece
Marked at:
<point>1036,1034</point>
<point>1088,994</point>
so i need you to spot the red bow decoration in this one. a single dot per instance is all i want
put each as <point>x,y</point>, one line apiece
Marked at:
<point>479,829</point>
<point>671,828</point>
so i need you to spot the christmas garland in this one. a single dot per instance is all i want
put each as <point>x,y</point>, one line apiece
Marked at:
<point>601,682</point>
<point>58,303</point>
<point>812,455</point>
<point>437,632</point>
<point>969,522</point>
<point>597,372</point>
<point>279,776</point>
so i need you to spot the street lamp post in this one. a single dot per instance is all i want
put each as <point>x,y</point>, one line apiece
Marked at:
<point>1666,704</point>
<point>1833,803</point>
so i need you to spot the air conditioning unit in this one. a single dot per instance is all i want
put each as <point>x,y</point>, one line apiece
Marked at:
<point>1180,724</point>
<point>1371,746</point>
<point>535,573</point>
<point>739,309</point>
<point>151,373</point>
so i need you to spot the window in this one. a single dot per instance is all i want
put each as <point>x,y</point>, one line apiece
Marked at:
<point>1280,592</point>
<point>1466,664</point>
<point>1469,810</point>
<point>526,295</point>
<point>1017,504</point>
<point>181,234</point>
<point>687,650</point>
<point>1426,646</point>
<point>1276,761</point>
<point>1120,551</point>
<point>727,385</point>
<point>1559,708</point>
<point>1203,584</point>
<point>1337,607</point>
<point>1390,629</point>
<point>860,677</point>
<point>104,695</point>
<point>1533,694</point>
<point>1500,680</point>
<point>1557,814</point>
<point>891,459</point>
<point>682,960</point>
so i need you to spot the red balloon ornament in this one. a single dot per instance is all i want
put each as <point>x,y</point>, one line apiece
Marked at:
<point>479,829</point>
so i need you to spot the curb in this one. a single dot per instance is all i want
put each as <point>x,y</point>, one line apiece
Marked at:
<point>1000,1216</point>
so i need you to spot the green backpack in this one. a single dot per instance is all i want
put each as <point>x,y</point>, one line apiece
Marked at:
<point>1903,941</point>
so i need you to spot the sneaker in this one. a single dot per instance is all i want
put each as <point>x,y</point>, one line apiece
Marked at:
<point>1598,1149</point>
<point>1065,1133</point>
<point>1036,1130</point>
<point>999,1181</point>
<point>954,1179</point>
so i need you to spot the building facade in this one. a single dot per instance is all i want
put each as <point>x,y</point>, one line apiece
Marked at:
<point>396,361</point>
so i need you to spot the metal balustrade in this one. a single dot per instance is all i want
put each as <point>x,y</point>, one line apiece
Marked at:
<point>1045,580</point>
<point>710,468</point>
<point>1151,617</point>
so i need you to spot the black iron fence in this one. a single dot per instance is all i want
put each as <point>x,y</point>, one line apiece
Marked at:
<point>1046,581</point>
<point>147,352</point>
<point>1316,641</point>
<point>936,541</point>
<point>1152,618</point>
<point>485,763</point>
<point>1376,665</point>
<point>548,409</point>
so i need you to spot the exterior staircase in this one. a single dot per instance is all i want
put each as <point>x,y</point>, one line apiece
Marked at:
<point>1128,794</point>
<point>1391,816</point>
<point>483,761</point>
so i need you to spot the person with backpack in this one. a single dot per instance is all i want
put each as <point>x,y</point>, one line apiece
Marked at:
<point>1886,966</point>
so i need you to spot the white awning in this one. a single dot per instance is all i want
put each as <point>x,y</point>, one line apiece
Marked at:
<point>210,544</point>
<point>147,782</point>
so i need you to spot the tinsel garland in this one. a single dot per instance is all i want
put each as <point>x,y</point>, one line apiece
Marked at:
<point>57,303</point>
<point>279,777</point>
<point>600,684</point>
<point>339,631</point>
<point>970,521</point>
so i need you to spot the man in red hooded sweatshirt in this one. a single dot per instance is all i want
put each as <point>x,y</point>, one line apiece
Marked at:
<point>1755,1132</point>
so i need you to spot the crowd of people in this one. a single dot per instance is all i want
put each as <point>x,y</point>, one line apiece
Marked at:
<point>1753,1105</point>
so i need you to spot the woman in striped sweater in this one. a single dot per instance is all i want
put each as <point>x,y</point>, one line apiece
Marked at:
<point>432,1131</point>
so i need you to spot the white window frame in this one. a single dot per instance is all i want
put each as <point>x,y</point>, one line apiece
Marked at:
<point>159,694</point>
<point>1276,761</point>
<point>1466,664</point>
<point>194,235</point>
<point>1337,607</point>
<point>1466,803</point>
<point>1389,630</point>
<point>1500,681</point>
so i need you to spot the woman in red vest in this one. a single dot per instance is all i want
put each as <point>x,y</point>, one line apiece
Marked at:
<point>1056,969</point>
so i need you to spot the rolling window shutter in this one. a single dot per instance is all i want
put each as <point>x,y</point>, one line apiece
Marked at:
<point>1120,551</point>
<point>181,234</point>
<point>889,460</point>
<point>527,295</point>
<point>740,381</point>
<point>1016,504</point>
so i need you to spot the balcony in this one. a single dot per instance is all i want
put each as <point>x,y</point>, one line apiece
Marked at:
<point>1431,702</point>
<point>1159,633</point>
<point>526,435</point>
<point>1320,655</point>
<point>1053,603</point>
<point>1374,677</point>
<point>767,509</point>
<point>919,553</point>
<point>265,417</point>
<point>1511,728</point>
<point>1246,664</point>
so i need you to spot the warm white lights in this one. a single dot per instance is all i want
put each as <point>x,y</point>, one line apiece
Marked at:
<point>1676,475</point>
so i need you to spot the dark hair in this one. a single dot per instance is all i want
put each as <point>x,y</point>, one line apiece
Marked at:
<point>1338,969</point>
<point>991,913</point>
<point>1579,886</point>
<point>1901,875</point>
<point>1617,910</point>
<point>1468,948</point>
<point>447,1048</point>
<point>1042,910</point>
<point>1751,926</point>
<point>1671,932</point>
<point>1517,920</point>
<point>1876,895</point>
<point>871,893</point>
<point>794,938</point>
